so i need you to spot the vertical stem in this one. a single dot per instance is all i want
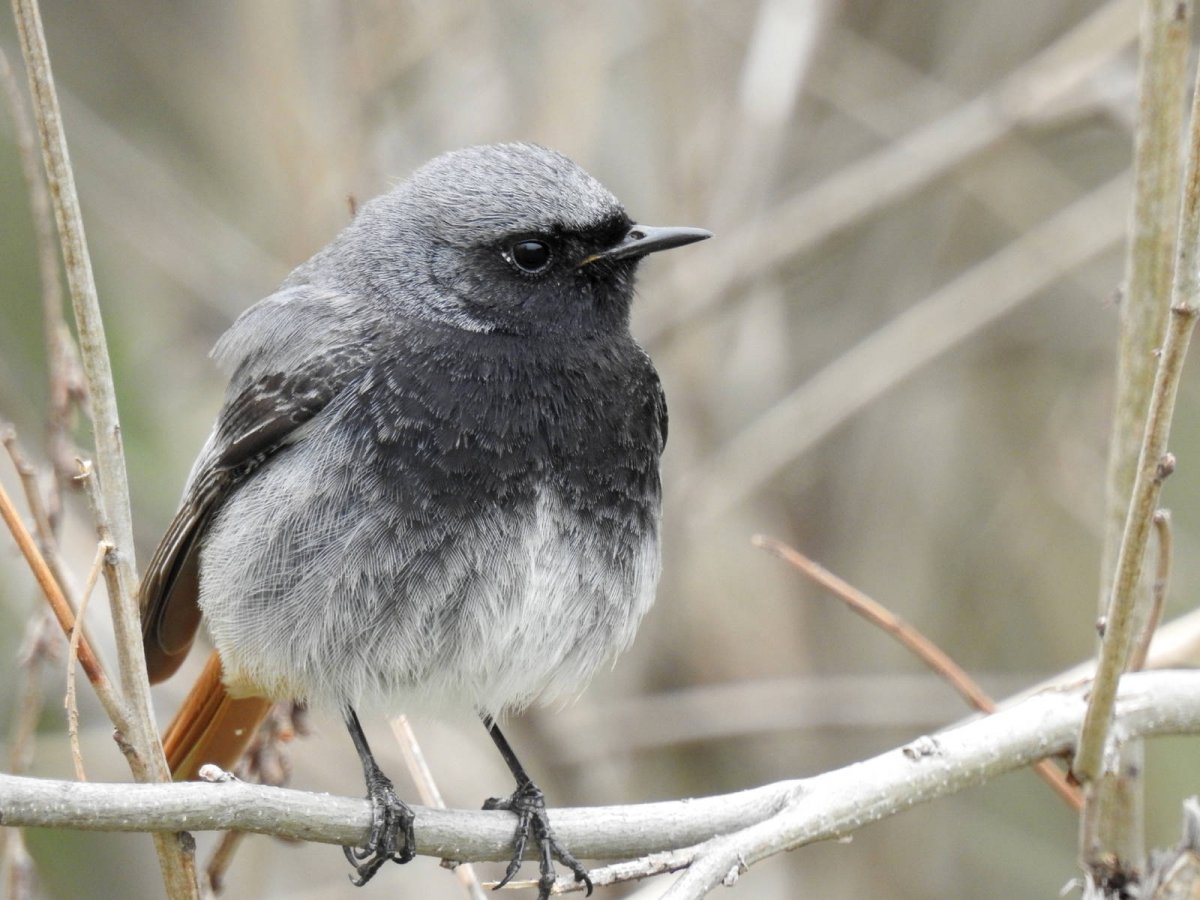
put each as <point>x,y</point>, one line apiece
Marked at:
<point>1154,464</point>
<point>1111,829</point>
<point>110,462</point>
<point>1150,262</point>
<point>114,521</point>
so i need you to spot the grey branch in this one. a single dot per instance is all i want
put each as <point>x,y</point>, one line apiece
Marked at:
<point>751,825</point>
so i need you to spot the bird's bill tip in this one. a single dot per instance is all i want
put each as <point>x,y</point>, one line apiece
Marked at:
<point>641,240</point>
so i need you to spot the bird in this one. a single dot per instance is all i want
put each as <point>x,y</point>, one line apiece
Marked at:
<point>433,482</point>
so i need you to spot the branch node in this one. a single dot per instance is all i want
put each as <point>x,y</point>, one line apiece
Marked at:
<point>215,774</point>
<point>922,747</point>
<point>1165,468</point>
<point>735,872</point>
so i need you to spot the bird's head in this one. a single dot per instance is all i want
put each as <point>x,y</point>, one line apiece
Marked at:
<point>508,238</point>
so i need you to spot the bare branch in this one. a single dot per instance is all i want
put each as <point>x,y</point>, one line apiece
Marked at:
<point>92,667</point>
<point>39,508</point>
<point>933,656</point>
<point>73,655</point>
<point>62,366</point>
<point>1150,703</point>
<point>113,519</point>
<point>754,824</point>
<point>110,459</point>
<point>1158,590</point>
<point>1152,469</point>
<point>430,795</point>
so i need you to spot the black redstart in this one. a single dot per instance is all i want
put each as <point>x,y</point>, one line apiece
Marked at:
<point>434,481</point>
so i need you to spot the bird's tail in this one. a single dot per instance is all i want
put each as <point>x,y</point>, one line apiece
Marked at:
<point>211,726</point>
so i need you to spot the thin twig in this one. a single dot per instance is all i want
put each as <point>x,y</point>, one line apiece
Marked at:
<point>113,521</point>
<point>29,484</point>
<point>45,531</point>
<point>1158,590</point>
<point>430,795</point>
<point>928,652</point>
<point>922,647</point>
<point>623,872</point>
<point>61,608</point>
<point>1154,464</point>
<point>634,869</point>
<point>73,655</point>
<point>62,367</point>
<point>110,459</point>
<point>220,861</point>
<point>1111,834</point>
<point>36,647</point>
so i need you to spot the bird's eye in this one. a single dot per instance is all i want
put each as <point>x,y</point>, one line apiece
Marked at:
<point>530,256</point>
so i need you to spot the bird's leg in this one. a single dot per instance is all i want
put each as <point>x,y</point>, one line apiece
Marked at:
<point>391,834</point>
<point>528,803</point>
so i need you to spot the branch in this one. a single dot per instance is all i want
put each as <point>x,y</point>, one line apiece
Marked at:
<point>607,832</point>
<point>1158,590</point>
<point>839,802</point>
<point>113,520</point>
<point>1154,465</point>
<point>64,382</point>
<point>110,458</point>
<point>92,667</point>
<point>754,824</point>
<point>1158,174</point>
<point>913,640</point>
<point>1111,831</point>
<point>430,794</point>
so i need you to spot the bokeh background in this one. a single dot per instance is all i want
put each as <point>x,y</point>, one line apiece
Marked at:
<point>897,355</point>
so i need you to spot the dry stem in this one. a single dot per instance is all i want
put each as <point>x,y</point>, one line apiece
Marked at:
<point>61,608</point>
<point>922,647</point>
<point>753,824</point>
<point>113,518</point>
<point>73,655</point>
<point>427,789</point>
<point>1158,591</point>
<point>1154,465</point>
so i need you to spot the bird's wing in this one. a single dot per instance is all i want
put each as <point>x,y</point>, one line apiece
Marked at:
<point>291,355</point>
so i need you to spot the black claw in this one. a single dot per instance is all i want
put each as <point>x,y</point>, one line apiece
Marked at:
<point>392,836</point>
<point>528,803</point>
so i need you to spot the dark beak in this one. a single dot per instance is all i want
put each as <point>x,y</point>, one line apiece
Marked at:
<point>643,239</point>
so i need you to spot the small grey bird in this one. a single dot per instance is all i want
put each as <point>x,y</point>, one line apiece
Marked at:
<point>434,481</point>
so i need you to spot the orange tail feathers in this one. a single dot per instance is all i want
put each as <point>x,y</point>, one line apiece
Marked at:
<point>211,726</point>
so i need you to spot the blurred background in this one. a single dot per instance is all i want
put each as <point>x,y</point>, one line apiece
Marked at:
<point>897,355</point>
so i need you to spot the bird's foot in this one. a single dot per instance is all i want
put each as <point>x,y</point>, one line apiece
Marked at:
<point>391,837</point>
<point>528,803</point>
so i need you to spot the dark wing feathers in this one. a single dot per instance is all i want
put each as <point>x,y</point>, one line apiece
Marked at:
<point>263,408</point>
<point>170,587</point>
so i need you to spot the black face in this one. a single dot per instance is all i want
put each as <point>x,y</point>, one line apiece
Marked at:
<point>534,282</point>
